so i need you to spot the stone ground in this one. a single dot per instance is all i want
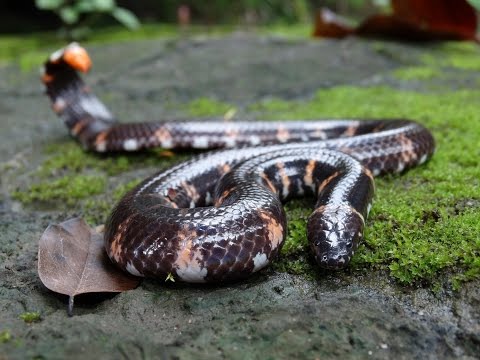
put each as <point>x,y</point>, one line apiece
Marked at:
<point>273,315</point>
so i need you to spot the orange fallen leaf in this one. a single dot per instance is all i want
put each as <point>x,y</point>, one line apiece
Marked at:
<point>411,20</point>
<point>73,261</point>
<point>455,19</point>
<point>329,24</point>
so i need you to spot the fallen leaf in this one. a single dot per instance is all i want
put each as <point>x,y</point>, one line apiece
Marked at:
<point>411,20</point>
<point>73,261</point>
<point>455,17</point>
<point>329,24</point>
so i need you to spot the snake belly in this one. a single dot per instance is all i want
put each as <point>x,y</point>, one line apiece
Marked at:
<point>219,216</point>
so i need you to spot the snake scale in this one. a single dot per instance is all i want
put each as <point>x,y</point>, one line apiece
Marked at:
<point>219,216</point>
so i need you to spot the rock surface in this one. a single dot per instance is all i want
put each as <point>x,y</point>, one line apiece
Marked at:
<point>271,316</point>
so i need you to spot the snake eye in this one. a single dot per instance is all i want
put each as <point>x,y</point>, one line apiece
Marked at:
<point>324,258</point>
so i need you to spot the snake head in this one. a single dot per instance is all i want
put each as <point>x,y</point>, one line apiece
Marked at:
<point>334,233</point>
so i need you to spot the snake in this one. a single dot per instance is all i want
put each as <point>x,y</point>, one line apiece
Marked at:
<point>219,216</point>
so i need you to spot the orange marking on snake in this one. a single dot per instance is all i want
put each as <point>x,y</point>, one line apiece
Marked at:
<point>283,175</point>
<point>308,178</point>
<point>282,134</point>
<point>327,181</point>
<point>225,168</point>
<point>222,197</point>
<point>78,127</point>
<point>190,190</point>
<point>268,183</point>
<point>47,78</point>
<point>163,134</point>
<point>350,131</point>
<point>115,247</point>
<point>367,172</point>
<point>275,231</point>
<point>100,139</point>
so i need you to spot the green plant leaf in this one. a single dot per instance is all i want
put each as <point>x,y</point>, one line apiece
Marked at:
<point>475,4</point>
<point>68,15</point>
<point>104,5</point>
<point>48,4</point>
<point>80,32</point>
<point>126,18</point>
<point>85,6</point>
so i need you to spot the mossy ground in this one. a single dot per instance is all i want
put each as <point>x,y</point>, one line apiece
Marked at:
<point>70,176</point>
<point>31,317</point>
<point>423,223</point>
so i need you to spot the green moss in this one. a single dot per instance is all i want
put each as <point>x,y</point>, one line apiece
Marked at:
<point>122,189</point>
<point>473,272</point>
<point>31,317</point>
<point>459,55</point>
<point>5,336</point>
<point>297,214</point>
<point>96,209</point>
<point>70,174</point>
<point>68,189</point>
<point>70,157</point>
<point>206,107</point>
<point>71,177</point>
<point>416,73</point>
<point>146,31</point>
<point>295,257</point>
<point>423,222</point>
<point>24,49</point>
<point>300,30</point>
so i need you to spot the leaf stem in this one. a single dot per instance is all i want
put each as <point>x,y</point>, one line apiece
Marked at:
<point>70,306</point>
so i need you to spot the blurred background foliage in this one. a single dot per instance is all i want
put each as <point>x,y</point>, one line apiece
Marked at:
<point>79,16</point>
<point>76,17</point>
<point>27,27</point>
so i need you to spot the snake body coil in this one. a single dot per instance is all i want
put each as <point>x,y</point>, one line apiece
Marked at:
<point>219,216</point>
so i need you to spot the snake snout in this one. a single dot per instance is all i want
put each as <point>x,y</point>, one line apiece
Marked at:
<point>334,235</point>
<point>333,261</point>
<point>335,250</point>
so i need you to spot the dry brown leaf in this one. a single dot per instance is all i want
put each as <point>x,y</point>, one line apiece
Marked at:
<point>329,24</point>
<point>410,20</point>
<point>73,261</point>
<point>456,18</point>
